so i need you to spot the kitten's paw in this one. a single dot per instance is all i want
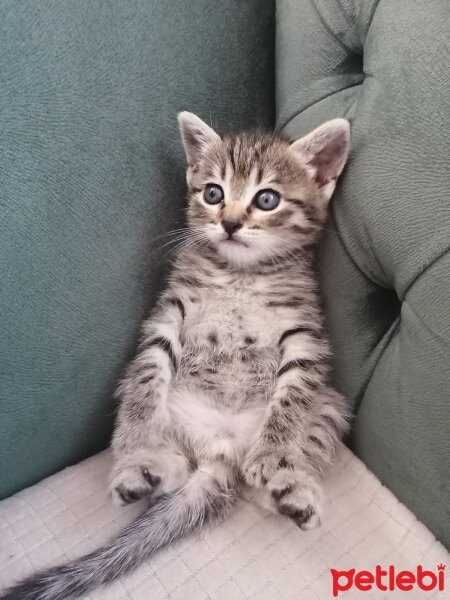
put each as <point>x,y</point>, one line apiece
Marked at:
<point>148,472</point>
<point>297,496</point>
<point>133,483</point>
<point>260,467</point>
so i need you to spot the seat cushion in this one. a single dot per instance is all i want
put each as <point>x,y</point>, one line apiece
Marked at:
<point>252,555</point>
<point>385,256</point>
<point>92,175</point>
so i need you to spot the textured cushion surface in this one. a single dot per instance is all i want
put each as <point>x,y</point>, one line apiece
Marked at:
<point>252,555</point>
<point>91,174</point>
<point>385,259</point>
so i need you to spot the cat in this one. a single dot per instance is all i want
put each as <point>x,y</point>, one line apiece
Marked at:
<point>229,392</point>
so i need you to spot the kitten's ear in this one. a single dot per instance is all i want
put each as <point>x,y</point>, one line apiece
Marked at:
<point>196,135</point>
<point>326,150</point>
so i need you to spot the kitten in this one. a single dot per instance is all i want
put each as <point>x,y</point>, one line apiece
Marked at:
<point>230,385</point>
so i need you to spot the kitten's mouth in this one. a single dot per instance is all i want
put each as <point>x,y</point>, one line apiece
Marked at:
<point>231,241</point>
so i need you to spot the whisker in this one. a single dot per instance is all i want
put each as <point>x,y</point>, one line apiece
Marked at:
<point>171,232</point>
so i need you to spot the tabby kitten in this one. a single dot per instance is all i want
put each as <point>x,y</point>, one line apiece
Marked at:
<point>230,386</point>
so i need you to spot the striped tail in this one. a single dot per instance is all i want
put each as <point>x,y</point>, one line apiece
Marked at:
<point>203,499</point>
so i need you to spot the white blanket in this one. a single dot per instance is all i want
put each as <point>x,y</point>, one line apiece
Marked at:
<point>252,555</point>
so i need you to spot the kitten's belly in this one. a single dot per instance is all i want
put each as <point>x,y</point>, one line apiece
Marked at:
<point>226,374</point>
<point>213,431</point>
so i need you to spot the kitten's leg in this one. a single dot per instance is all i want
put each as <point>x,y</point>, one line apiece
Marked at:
<point>141,457</point>
<point>297,441</point>
<point>290,475</point>
<point>296,488</point>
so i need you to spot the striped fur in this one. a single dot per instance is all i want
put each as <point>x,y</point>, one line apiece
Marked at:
<point>231,379</point>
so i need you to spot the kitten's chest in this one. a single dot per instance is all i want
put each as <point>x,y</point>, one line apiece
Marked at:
<point>231,317</point>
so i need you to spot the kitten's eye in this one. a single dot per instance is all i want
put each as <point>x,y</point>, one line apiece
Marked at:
<point>267,200</point>
<point>213,194</point>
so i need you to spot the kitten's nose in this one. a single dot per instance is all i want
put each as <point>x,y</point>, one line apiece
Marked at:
<point>231,226</point>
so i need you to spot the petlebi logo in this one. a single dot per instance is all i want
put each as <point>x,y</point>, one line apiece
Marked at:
<point>388,579</point>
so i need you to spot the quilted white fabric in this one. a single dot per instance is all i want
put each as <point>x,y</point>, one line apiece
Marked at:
<point>252,555</point>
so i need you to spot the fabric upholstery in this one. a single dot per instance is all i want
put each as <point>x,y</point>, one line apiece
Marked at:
<point>91,175</point>
<point>385,258</point>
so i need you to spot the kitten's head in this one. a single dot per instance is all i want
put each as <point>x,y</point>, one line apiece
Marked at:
<point>255,197</point>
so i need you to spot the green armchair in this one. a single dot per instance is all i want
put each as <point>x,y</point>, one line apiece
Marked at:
<point>91,177</point>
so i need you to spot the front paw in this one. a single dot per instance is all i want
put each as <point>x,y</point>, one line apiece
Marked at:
<point>133,477</point>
